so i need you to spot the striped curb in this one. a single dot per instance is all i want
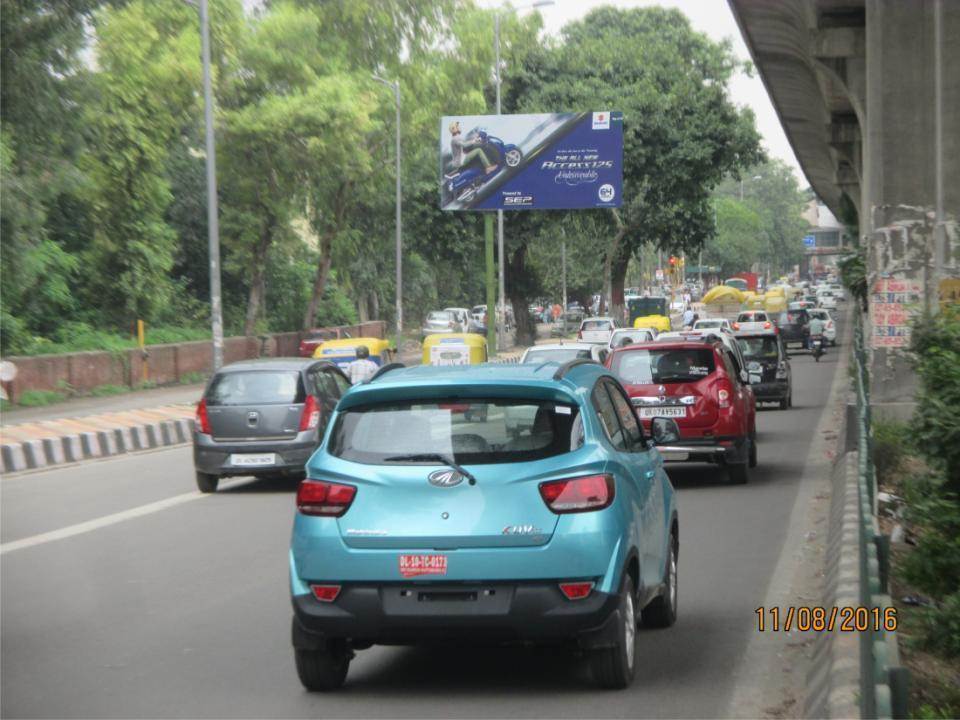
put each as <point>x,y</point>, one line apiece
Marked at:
<point>52,450</point>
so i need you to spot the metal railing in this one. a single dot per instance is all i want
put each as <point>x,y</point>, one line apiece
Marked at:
<point>883,680</point>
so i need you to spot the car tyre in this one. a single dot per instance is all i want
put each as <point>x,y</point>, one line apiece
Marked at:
<point>753,450</point>
<point>207,483</point>
<point>662,610</point>
<point>738,473</point>
<point>785,403</point>
<point>325,668</point>
<point>615,667</point>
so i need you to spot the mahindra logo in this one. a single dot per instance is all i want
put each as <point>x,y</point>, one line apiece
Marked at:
<point>445,478</point>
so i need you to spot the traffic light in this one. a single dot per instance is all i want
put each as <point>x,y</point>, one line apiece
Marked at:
<point>673,261</point>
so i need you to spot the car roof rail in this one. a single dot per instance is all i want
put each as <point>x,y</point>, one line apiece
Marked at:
<point>569,365</point>
<point>384,370</point>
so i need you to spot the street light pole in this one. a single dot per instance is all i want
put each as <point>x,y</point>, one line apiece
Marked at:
<point>395,86</point>
<point>213,224</point>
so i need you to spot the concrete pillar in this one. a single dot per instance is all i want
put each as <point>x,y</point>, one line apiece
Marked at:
<point>898,201</point>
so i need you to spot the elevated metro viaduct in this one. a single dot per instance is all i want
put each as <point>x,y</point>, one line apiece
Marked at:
<point>868,92</point>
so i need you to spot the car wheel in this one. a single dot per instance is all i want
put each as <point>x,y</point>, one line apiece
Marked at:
<point>785,403</point>
<point>614,667</point>
<point>513,158</point>
<point>207,483</point>
<point>325,668</point>
<point>790,398</point>
<point>753,450</point>
<point>662,610</point>
<point>738,473</point>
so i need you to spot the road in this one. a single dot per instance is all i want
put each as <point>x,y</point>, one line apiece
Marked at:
<point>127,594</point>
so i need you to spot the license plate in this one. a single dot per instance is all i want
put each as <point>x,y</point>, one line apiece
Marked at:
<point>669,412</point>
<point>417,565</point>
<point>254,460</point>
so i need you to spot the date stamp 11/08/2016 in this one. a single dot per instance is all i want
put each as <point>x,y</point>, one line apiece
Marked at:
<point>823,619</point>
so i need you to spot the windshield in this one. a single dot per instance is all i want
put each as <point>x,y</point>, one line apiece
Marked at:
<point>759,348</point>
<point>647,306</point>
<point>751,317</point>
<point>257,387</point>
<point>629,337</point>
<point>708,324</point>
<point>474,432</point>
<point>646,367</point>
<point>439,317</point>
<point>596,325</point>
<point>560,355</point>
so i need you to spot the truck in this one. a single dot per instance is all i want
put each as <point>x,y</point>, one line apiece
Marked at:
<point>743,281</point>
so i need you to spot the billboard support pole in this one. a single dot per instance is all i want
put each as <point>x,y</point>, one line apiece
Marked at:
<point>491,283</point>
<point>501,305</point>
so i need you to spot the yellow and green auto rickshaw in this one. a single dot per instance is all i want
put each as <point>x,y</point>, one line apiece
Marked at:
<point>454,349</point>
<point>344,351</point>
<point>649,312</point>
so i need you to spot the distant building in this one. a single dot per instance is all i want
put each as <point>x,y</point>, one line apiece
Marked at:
<point>828,239</point>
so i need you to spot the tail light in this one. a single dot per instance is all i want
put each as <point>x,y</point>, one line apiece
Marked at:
<point>325,593</point>
<point>723,395</point>
<point>576,590</point>
<point>315,497</point>
<point>310,417</point>
<point>782,371</point>
<point>582,494</point>
<point>736,326</point>
<point>202,419</point>
<point>767,326</point>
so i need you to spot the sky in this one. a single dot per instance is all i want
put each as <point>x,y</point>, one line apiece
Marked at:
<point>714,19</point>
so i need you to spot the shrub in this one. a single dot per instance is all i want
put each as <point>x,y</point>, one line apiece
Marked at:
<point>107,390</point>
<point>934,565</point>
<point>941,627</point>
<point>39,398</point>
<point>889,447</point>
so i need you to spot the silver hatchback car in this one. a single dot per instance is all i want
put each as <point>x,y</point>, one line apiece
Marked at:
<point>263,417</point>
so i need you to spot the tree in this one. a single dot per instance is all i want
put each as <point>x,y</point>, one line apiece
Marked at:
<point>739,237</point>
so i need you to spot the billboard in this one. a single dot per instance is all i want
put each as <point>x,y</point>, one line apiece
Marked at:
<point>555,161</point>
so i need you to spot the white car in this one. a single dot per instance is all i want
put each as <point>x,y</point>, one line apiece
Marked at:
<point>712,324</point>
<point>753,321</point>
<point>597,330</point>
<point>631,336</point>
<point>462,317</point>
<point>838,292</point>
<point>827,301</point>
<point>564,352</point>
<point>725,335</point>
<point>829,326</point>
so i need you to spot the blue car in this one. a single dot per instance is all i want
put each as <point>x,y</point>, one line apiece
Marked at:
<point>423,519</point>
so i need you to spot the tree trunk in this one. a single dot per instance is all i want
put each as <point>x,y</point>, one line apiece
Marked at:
<point>258,276</point>
<point>526,333</point>
<point>374,305</point>
<point>325,260</point>
<point>618,274</point>
<point>613,253</point>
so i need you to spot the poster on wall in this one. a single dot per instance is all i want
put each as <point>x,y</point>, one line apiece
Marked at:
<point>891,303</point>
<point>553,161</point>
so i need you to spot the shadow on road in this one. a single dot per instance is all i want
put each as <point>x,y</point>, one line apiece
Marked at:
<point>263,485</point>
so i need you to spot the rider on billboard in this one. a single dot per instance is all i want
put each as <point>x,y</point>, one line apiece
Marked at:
<point>458,145</point>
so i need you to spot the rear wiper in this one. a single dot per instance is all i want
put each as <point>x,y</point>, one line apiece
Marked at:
<point>439,457</point>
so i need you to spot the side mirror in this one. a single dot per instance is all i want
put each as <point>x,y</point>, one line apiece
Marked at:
<point>664,431</point>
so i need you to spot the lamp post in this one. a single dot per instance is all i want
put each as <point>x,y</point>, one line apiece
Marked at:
<point>395,86</point>
<point>501,310</point>
<point>213,222</point>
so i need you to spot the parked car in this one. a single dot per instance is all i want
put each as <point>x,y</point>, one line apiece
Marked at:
<point>768,367</point>
<point>314,338</point>
<point>829,326</point>
<point>752,321</point>
<point>698,384</point>
<point>630,336</point>
<point>417,524</point>
<point>263,417</point>
<point>794,327</point>
<point>562,352</point>
<point>597,329</point>
<point>439,321</point>
<point>461,316</point>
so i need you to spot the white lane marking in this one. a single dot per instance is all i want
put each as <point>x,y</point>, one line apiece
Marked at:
<point>108,520</point>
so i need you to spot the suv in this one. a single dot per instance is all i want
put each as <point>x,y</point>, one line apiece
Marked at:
<point>767,366</point>
<point>422,521</point>
<point>794,327</point>
<point>263,418</point>
<point>701,385</point>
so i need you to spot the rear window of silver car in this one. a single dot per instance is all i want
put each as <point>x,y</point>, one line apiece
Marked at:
<point>256,387</point>
<point>560,355</point>
<point>648,367</point>
<point>469,431</point>
<point>596,325</point>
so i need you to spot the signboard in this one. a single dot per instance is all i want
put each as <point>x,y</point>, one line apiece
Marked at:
<point>809,241</point>
<point>659,274</point>
<point>890,311</point>
<point>556,161</point>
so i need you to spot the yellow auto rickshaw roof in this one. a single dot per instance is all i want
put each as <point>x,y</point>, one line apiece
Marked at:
<point>347,345</point>
<point>468,339</point>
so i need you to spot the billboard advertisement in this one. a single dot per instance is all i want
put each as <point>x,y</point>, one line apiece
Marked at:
<point>554,161</point>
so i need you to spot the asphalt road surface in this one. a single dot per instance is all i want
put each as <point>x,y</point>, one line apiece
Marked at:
<point>127,594</point>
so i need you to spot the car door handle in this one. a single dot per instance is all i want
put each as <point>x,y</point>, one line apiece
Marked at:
<point>649,474</point>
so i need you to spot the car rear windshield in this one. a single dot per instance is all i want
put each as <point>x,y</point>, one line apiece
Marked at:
<point>256,387</point>
<point>709,324</point>
<point>596,325</point>
<point>761,347</point>
<point>469,432</point>
<point>792,318</point>
<point>439,316</point>
<point>560,355</point>
<point>751,317</point>
<point>646,367</point>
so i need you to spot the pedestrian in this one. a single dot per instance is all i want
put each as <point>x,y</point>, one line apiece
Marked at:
<point>688,316</point>
<point>363,368</point>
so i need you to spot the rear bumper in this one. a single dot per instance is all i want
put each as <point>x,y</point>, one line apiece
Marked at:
<point>415,613</point>
<point>213,457</point>
<point>769,391</point>
<point>723,449</point>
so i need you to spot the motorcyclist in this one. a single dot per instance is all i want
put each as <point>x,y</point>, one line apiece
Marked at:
<point>363,368</point>
<point>458,146</point>
<point>816,331</point>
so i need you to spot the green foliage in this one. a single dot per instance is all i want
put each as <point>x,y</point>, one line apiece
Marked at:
<point>942,627</point>
<point>936,356</point>
<point>40,398</point>
<point>890,447</point>
<point>109,390</point>
<point>78,337</point>
<point>738,237</point>
<point>853,275</point>
<point>934,565</point>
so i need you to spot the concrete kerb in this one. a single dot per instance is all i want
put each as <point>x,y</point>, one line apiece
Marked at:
<point>77,447</point>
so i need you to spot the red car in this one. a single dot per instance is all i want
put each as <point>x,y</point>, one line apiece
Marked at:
<point>314,338</point>
<point>700,384</point>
